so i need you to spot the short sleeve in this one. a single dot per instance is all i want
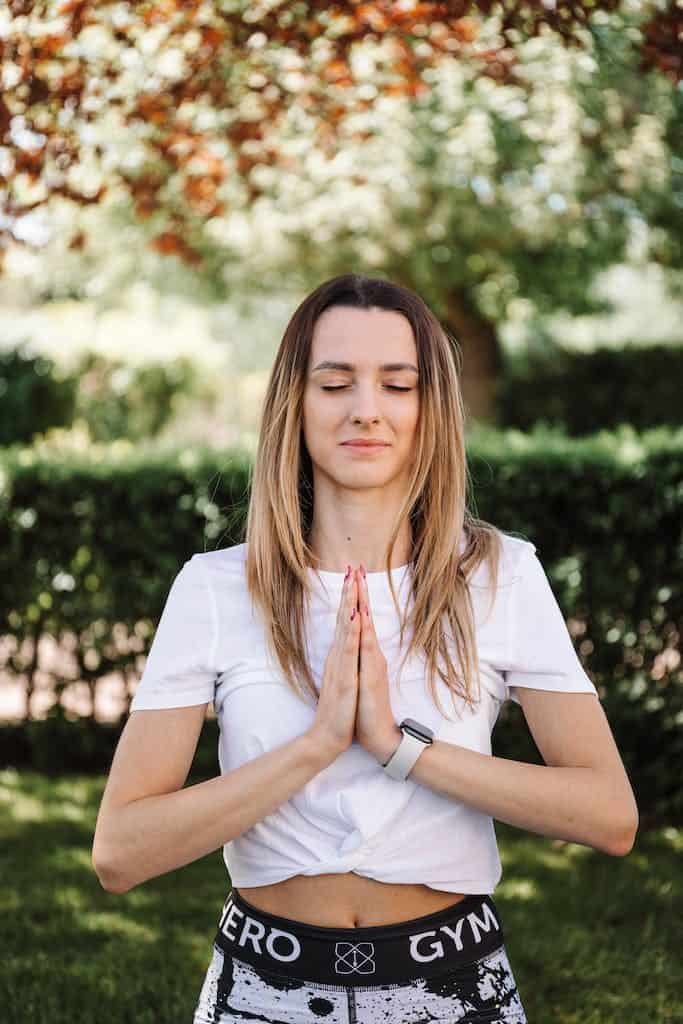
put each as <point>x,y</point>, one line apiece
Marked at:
<point>541,654</point>
<point>180,667</point>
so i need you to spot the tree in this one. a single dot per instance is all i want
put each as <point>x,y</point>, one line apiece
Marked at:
<point>200,111</point>
<point>493,200</point>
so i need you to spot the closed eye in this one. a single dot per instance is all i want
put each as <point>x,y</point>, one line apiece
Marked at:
<point>339,387</point>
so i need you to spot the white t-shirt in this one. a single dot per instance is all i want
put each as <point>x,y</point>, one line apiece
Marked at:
<point>351,816</point>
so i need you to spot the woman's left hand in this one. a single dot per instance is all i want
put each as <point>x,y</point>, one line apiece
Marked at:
<point>376,728</point>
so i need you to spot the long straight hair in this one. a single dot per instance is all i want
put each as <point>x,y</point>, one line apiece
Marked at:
<point>448,541</point>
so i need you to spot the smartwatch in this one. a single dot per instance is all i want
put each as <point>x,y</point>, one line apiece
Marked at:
<point>415,738</point>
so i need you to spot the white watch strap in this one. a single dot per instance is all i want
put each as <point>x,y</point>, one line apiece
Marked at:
<point>404,757</point>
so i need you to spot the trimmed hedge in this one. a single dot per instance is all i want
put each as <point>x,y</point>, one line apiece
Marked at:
<point>33,396</point>
<point>113,398</point>
<point>89,544</point>
<point>583,392</point>
<point>62,744</point>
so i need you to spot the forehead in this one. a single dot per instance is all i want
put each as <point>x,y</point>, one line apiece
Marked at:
<point>351,334</point>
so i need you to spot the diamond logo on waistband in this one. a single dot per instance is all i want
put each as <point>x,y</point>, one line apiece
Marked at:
<point>354,958</point>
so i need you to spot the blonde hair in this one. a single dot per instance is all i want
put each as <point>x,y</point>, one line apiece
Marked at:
<point>281,497</point>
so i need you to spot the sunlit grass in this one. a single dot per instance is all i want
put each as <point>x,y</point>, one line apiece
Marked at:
<point>592,939</point>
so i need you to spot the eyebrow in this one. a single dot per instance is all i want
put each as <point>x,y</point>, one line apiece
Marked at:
<point>329,364</point>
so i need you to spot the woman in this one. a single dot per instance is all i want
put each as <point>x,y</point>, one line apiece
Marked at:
<point>354,811</point>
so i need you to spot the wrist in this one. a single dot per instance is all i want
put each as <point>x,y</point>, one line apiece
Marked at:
<point>321,749</point>
<point>386,749</point>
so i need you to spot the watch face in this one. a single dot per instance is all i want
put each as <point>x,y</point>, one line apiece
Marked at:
<point>417,729</point>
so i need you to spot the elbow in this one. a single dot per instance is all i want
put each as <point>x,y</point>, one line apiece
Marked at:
<point>620,827</point>
<point>622,843</point>
<point>109,877</point>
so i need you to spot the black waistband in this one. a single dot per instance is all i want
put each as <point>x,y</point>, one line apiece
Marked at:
<point>378,955</point>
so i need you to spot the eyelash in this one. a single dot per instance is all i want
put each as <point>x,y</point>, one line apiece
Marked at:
<point>339,387</point>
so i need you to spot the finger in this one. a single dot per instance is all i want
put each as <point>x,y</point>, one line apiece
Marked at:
<point>353,617</point>
<point>344,609</point>
<point>364,602</point>
<point>362,588</point>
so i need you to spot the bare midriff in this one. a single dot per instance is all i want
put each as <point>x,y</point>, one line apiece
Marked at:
<point>347,900</point>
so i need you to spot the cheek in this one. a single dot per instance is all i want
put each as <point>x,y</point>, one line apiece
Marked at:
<point>316,423</point>
<point>410,419</point>
<point>310,413</point>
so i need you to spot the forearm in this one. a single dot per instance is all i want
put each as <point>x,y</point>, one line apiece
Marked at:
<point>157,834</point>
<point>579,805</point>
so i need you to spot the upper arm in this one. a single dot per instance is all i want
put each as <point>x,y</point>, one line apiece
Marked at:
<point>572,730</point>
<point>181,667</point>
<point>153,756</point>
<point>156,748</point>
<point>539,649</point>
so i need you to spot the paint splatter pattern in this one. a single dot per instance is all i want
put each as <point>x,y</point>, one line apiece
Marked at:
<point>483,992</point>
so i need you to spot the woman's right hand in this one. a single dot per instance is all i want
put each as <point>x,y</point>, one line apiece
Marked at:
<point>335,720</point>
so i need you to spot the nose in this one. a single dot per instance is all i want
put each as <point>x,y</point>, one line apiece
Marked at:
<point>364,404</point>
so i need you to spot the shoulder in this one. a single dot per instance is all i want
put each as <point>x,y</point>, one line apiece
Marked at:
<point>220,562</point>
<point>514,551</point>
<point>221,573</point>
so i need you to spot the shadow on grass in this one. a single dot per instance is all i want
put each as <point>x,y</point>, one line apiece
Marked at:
<point>592,939</point>
<point>77,952</point>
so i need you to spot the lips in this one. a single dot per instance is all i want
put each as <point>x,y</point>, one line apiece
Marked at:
<point>364,444</point>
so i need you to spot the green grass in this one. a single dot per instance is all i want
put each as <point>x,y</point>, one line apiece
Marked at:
<point>592,939</point>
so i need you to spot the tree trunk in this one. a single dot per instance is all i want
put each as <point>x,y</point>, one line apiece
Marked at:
<point>482,361</point>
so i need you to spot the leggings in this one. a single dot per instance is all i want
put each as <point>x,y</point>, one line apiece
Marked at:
<point>450,967</point>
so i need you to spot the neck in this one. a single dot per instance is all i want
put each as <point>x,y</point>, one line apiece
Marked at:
<point>335,557</point>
